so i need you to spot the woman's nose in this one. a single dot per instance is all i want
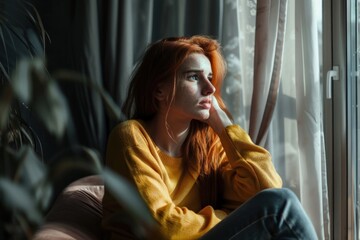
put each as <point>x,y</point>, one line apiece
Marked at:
<point>208,88</point>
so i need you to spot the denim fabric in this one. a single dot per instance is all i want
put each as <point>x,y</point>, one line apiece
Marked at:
<point>271,214</point>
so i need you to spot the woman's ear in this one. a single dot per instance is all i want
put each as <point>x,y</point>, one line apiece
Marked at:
<point>161,92</point>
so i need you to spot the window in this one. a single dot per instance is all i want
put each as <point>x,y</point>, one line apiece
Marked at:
<point>353,100</point>
<point>342,115</point>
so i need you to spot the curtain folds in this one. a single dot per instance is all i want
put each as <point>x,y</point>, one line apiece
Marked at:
<point>272,87</point>
<point>269,44</point>
<point>312,185</point>
<point>85,55</point>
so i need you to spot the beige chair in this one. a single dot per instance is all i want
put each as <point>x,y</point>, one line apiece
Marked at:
<point>76,213</point>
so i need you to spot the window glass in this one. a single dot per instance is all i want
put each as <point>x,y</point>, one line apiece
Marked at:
<point>353,98</point>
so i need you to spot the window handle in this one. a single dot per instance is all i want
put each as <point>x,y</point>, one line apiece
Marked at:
<point>331,75</point>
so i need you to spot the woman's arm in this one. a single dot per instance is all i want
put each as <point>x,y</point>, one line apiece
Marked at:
<point>247,168</point>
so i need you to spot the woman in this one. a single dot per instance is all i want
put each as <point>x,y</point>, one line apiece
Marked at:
<point>199,173</point>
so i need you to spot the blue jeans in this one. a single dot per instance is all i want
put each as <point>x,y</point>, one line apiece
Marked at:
<point>271,214</point>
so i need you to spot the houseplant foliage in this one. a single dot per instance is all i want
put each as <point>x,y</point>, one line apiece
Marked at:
<point>26,182</point>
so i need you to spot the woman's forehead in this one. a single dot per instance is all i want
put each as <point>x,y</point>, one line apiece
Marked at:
<point>196,61</point>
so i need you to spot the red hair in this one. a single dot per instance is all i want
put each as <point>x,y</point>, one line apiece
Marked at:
<point>160,64</point>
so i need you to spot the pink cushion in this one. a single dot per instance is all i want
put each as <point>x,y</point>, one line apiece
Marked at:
<point>77,212</point>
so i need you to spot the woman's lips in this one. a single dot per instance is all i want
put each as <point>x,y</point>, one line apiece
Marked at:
<point>206,104</point>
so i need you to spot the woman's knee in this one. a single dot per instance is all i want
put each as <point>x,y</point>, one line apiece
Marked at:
<point>289,209</point>
<point>278,195</point>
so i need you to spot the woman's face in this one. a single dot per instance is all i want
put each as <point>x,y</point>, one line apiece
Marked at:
<point>193,90</point>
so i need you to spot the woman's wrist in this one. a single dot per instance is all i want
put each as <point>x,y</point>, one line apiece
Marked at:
<point>219,121</point>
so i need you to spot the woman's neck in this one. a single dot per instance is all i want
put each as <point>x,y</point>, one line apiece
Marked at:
<point>168,134</point>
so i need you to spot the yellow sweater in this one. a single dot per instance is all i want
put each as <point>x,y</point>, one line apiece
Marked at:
<point>173,200</point>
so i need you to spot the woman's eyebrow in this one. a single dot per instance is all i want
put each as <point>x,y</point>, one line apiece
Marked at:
<point>196,70</point>
<point>193,70</point>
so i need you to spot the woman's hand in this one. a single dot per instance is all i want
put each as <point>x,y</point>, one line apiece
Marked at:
<point>218,118</point>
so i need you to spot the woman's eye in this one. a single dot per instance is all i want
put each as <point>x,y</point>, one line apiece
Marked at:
<point>194,77</point>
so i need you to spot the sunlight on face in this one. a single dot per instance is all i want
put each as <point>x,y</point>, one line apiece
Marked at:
<point>193,89</point>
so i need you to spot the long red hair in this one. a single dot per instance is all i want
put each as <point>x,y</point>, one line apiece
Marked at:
<point>160,64</point>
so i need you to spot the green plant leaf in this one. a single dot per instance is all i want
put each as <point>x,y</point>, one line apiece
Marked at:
<point>38,23</point>
<point>43,194</point>
<point>33,85</point>
<point>127,196</point>
<point>31,171</point>
<point>111,107</point>
<point>21,81</point>
<point>51,108</point>
<point>14,196</point>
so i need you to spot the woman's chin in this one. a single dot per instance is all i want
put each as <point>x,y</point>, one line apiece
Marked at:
<point>204,117</point>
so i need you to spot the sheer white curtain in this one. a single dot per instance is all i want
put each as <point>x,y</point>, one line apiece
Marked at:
<point>295,134</point>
